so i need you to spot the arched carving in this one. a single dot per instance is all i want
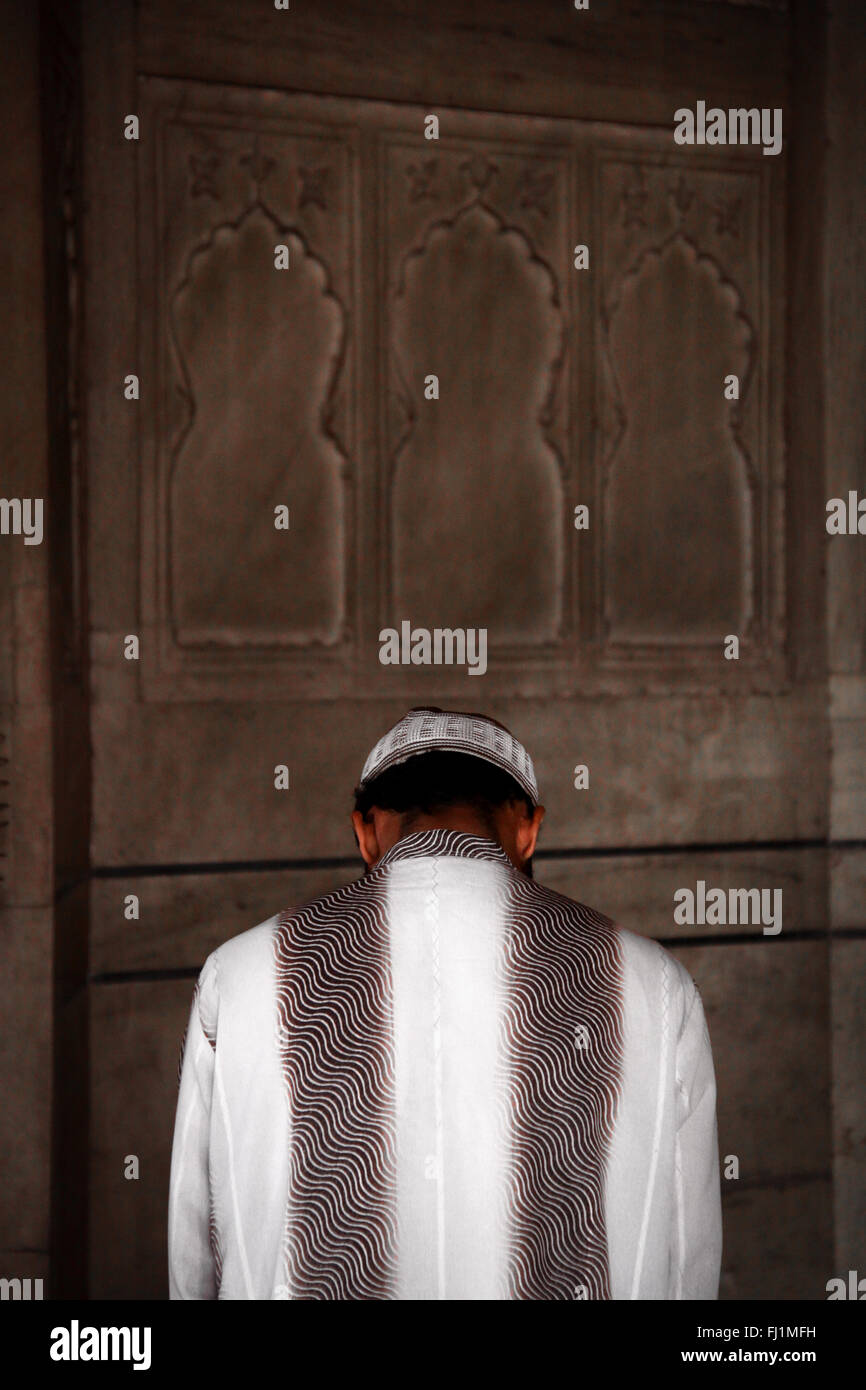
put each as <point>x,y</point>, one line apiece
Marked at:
<point>259,352</point>
<point>678,480</point>
<point>475,480</point>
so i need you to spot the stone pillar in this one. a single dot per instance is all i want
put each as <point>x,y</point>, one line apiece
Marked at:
<point>845,455</point>
<point>26,828</point>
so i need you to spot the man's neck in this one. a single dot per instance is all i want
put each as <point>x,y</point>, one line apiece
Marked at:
<point>462,818</point>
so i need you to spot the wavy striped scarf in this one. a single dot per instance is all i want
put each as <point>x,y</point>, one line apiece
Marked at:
<point>560,1060</point>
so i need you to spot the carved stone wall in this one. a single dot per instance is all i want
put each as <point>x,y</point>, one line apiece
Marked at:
<point>554,387</point>
<point>690,294</point>
<point>475,290</point>
<point>254,376</point>
<point>558,387</point>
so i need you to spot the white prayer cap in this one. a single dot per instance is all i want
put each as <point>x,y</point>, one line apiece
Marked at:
<point>451,731</point>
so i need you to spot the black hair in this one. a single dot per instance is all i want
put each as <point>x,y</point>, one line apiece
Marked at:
<point>430,782</point>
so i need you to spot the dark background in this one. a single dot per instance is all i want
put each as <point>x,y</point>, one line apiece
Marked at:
<point>155,777</point>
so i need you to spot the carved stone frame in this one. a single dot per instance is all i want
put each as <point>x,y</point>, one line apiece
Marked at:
<point>583,661</point>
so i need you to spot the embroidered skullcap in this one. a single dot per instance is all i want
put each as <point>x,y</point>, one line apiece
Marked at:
<point>428,730</point>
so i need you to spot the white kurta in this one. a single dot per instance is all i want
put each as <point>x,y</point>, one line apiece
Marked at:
<point>455,1118</point>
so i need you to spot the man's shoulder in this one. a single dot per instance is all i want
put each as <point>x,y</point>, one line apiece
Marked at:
<point>642,956</point>
<point>543,898</point>
<point>256,942</point>
<point>652,965</point>
<point>242,951</point>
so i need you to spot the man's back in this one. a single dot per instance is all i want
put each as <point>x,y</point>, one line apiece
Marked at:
<point>445,1081</point>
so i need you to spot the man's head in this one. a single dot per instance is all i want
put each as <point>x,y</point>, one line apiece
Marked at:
<point>440,769</point>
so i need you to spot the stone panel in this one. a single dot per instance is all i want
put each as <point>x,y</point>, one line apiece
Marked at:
<point>135,1039</point>
<point>203,777</point>
<point>847,791</point>
<point>638,891</point>
<point>847,888</point>
<point>776,1242</point>
<point>183,917</point>
<point>253,406</point>
<point>25,1059</point>
<point>768,1008</point>
<point>26,745</point>
<point>476,235</point>
<point>603,62</point>
<point>464,248</point>
<point>848,1039</point>
<point>842,346</point>
<point>27,1264</point>
<point>228,636</point>
<point>689,294</point>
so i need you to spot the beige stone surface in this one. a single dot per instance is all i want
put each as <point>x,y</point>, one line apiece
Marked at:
<point>844,420</point>
<point>847,874</point>
<point>296,615</point>
<point>768,1008</point>
<point>638,890</point>
<point>848,1038</point>
<point>135,1038</point>
<point>185,917</point>
<point>31,826</point>
<point>848,802</point>
<point>181,784</point>
<point>777,1242</point>
<point>502,57</point>
<point>844,344</point>
<point>26,841</point>
<point>25,1064</point>
<point>683,748</point>
<point>27,1264</point>
<point>182,917</point>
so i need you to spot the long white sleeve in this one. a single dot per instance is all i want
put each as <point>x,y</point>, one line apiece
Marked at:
<point>697,1239</point>
<point>191,1270</point>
